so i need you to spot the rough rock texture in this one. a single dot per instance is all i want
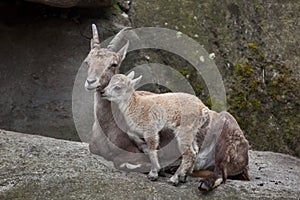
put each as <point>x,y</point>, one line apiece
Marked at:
<point>36,167</point>
<point>77,3</point>
<point>256,44</point>
<point>42,48</point>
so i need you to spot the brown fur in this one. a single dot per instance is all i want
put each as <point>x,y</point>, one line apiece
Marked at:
<point>231,151</point>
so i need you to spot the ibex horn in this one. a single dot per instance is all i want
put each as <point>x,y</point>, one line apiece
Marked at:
<point>114,42</point>
<point>95,40</point>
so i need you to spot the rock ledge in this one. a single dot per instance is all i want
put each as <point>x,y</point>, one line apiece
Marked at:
<point>36,167</point>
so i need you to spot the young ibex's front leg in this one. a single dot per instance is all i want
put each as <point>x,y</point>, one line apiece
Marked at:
<point>186,147</point>
<point>188,158</point>
<point>152,140</point>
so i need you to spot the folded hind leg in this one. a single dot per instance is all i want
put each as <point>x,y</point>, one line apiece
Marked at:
<point>216,178</point>
<point>231,158</point>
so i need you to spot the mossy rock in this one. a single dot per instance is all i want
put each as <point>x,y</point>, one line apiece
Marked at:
<point>255,46</point>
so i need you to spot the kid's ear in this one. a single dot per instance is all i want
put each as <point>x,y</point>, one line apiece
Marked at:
<point>123,50</point>
<point>136,81</point>
<point>205,117</point>
<point>131,75</point>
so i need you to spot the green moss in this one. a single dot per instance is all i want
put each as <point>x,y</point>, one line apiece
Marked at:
<point>199,89</point>
<point>184,72</point>
<point>215,104</point>
<point>208,103</point>
<point>253,46</point>
<point>258,7</point>
<point>272,112</point>
<point>117,7</point>
<point>244,70</point>
<point>262,56</point>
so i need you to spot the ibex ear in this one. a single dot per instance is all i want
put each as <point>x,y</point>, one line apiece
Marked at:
<point>131,75</point>
<point>123,50</point>
<point>136,81</point>
<point>205,118</point>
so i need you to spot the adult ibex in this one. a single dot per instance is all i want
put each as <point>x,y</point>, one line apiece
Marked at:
<point>223,146</point>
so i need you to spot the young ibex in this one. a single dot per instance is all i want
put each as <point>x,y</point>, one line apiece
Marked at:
<point>223,146</point>
<point>147,115</point>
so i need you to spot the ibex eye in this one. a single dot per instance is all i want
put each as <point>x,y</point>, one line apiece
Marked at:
<point>113,65</point>
<point>117,88</point>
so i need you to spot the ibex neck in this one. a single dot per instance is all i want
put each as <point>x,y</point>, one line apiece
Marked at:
<point>125,104</point>
<point>102,107</point>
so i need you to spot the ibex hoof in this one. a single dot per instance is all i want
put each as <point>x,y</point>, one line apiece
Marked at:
<point>207,185</point>
<point>174,180</point>
<point>152,176</point>
<point>204,186</point>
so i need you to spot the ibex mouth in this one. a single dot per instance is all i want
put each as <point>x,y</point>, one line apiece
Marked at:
<point>99,88</point>
<point>91,84</point>
<point>90,88</point>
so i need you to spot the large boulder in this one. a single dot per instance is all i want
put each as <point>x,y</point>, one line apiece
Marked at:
<point>36,167</point>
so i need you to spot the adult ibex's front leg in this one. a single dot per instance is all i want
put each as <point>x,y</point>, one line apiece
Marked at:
<point>99,144</point>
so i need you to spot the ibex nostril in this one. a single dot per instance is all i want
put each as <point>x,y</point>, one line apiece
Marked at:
<point>91,81</point>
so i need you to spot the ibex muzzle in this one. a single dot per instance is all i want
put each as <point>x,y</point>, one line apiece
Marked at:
<point>103,63</point>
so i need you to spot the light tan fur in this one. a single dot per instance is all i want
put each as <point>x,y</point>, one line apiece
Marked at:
<point>147,115</point>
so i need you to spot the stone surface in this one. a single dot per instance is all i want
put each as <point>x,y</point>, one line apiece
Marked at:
<point>36,167</point>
